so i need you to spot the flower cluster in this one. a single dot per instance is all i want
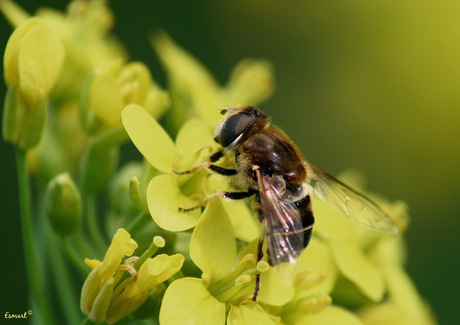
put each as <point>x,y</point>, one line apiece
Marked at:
<point>73,99</point>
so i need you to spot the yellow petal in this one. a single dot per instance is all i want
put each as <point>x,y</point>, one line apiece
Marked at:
<point>152,272</point>
<point>149,137</point>
<point>39,63</point>
<point>102,302</point>
<point>122,245</point>
<point>331,315</point>
<point>273,290</point>
<point>164,198</point>
<point>187,301</point>
<point>105,98</point>
<point>354,265</point>
<point>252,81</point>
<point>158,269</point>
<point>243,220</point>
<point>92,263</point>
<point>190,78</point>
<point>405,295</point>
<point>212,246</point>
<point>194,144</point>
<point>135,81</point>
<point>10,60</point>
<point>248,313</point>
<point>316,270</point>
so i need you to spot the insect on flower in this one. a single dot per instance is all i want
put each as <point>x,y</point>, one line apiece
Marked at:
<point>275,172</point>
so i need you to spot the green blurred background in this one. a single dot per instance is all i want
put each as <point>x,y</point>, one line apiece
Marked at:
<point>372,85</point>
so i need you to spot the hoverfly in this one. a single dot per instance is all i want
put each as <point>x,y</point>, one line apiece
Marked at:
<point>273,170</point>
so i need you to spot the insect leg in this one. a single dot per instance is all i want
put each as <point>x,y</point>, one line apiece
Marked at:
<point>216,156</point>
<point>207,165</point>
<point>260,255</point>
<point>222,194</point>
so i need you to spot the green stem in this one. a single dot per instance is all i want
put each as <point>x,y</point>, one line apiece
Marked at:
<point>148,253</point>
<point>137,224</point>
<point>30,252</point>
<point>87,321</point>
<point>76,260</point>
<point>94,231</point>
<point>64,290</point>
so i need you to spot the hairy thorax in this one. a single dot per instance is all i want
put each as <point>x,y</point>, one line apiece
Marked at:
<point>272,155</point>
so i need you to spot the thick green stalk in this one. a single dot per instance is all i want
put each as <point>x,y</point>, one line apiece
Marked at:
<point>30,249</point>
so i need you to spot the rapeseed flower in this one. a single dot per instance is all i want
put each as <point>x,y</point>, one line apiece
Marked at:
<point>108,294</point>
<point>74,97</point>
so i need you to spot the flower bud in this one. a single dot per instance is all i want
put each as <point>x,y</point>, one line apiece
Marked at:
<point>135,194</point>
<point>63,205</point>
<point>120,187</point>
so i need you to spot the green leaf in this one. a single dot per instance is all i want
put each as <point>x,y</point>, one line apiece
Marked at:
<point>212,246</point>
<point>149,137</point>
<point>164,198</point>
<point>187,301</point>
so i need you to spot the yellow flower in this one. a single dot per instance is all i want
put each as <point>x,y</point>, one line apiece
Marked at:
<point>195,92</point>
<point>108,294</point>
<point>33,59</point>
<point>404,305</point>
<point>225,285</point>
<point>110,90</point>
<point>32,63</point>
<point>166,192</point>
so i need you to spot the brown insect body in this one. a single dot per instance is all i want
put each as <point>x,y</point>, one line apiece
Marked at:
<point>273,169</point>
<point>269,162</point>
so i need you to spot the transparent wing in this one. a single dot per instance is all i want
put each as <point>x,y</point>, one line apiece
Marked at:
<point>358,208</point>
<point>286,234</point>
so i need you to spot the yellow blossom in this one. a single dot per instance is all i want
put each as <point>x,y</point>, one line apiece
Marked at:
<point>33,59</point>
<point>108,294</point>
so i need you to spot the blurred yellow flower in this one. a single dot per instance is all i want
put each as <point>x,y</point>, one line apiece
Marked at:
<point>33,59</point>
<point>32,63</point>
<point>195,92</point>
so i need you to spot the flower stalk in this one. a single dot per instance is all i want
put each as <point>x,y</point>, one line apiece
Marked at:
<point>30,249</point>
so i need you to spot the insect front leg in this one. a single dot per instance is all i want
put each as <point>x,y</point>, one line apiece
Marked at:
<point>224,195</point>
<point>210,167</point>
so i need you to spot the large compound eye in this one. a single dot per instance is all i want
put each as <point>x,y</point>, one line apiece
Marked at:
<point>232,128</point>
